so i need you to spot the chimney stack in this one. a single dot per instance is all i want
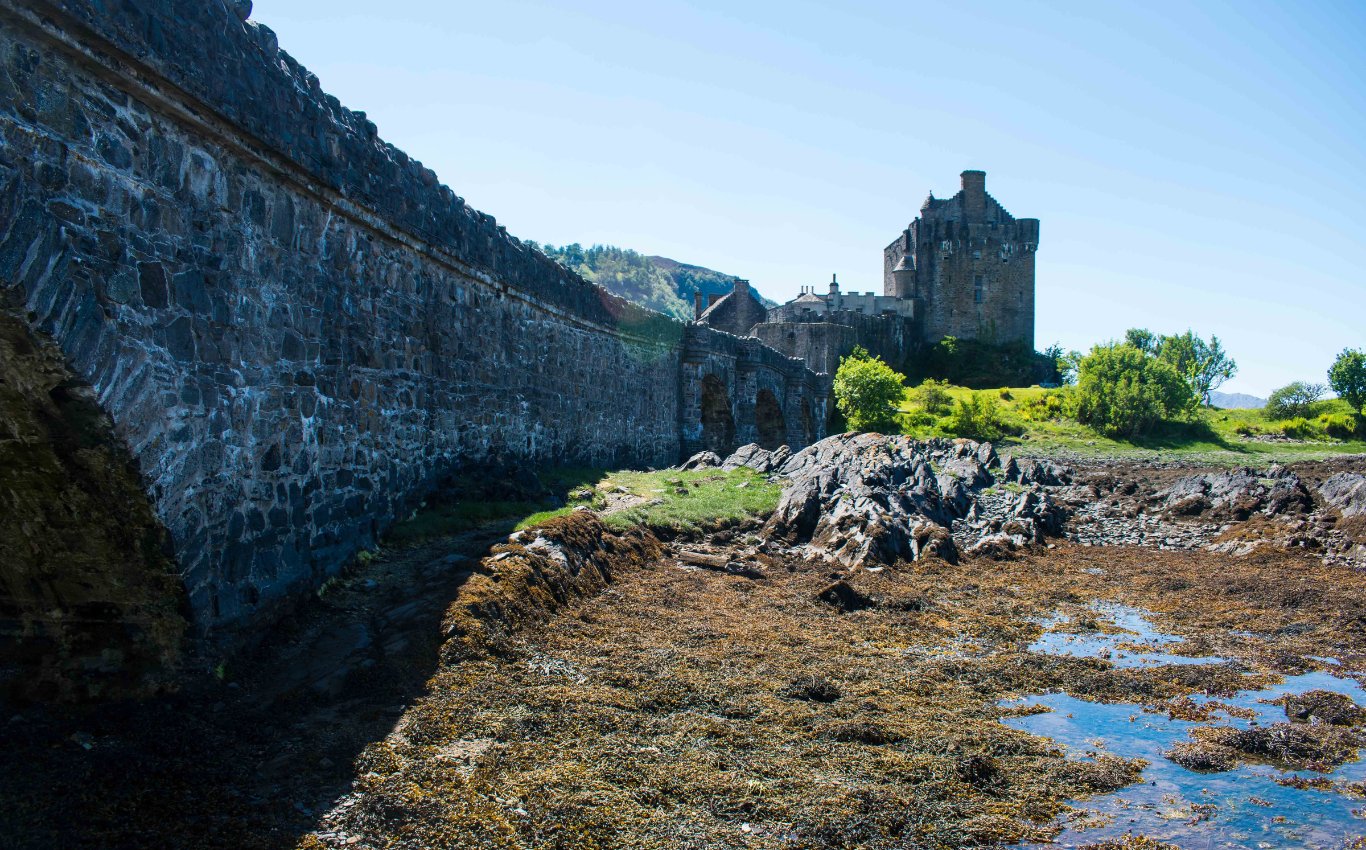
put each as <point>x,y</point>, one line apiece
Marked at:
<point>975,195</point>
<point>697,304</point>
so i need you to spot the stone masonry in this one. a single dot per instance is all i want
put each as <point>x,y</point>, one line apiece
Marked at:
<point>296,329</point>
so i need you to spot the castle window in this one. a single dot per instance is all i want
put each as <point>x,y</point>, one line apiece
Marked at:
<point>978,288</point>
<point>977,255</point>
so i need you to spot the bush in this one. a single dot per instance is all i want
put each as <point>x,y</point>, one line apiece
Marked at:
<point>1295,400</point>
<point>1122,391</point>
<point>917,420</point>
<point>1298,429</point>
<point>980,364</point>
<point>867,392</point>
<point>978,417</point>
<point>1050,405</point>
<point>933,397</point>
<point>1341,426</point>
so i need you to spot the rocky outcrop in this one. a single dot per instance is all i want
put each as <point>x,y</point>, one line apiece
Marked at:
<point>1235,494</point>
<point>1346,492</point>
<point>758,458</point>
<point>863,499</point>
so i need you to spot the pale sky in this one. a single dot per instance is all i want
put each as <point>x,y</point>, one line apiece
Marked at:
<point>1192,165</point>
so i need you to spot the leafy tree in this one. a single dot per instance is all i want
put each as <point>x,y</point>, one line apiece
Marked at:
<point>933,397</point>
<point>1294,400</point>
<point>1347,377</point>
<point>1204,365</point>
<point>867,392</point>
<point>1142,339</point>
<point>1123,391</point>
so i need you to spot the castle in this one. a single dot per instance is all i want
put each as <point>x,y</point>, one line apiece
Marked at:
<point>964,268</point>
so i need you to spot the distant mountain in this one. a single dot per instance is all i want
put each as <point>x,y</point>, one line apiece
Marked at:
<point>656,282</point>
<point>1235,401</point>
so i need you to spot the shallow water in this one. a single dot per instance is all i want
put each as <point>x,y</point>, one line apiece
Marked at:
<point>1240,808</point>
<point>1137,630</point>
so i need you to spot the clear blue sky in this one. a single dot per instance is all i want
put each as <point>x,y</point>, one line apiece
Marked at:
<point>1192,166</point>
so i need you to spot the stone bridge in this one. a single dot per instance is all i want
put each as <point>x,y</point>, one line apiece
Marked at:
<point>241,335</point>
<point>736,390</point>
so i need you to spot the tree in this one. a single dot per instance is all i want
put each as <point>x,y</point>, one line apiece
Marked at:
<point>1204,365</point>
<point>1142,339</point>
<point>1347,377</point>
<point>1295,399</point>
<point>867,392</point>
<point>1123,391</point>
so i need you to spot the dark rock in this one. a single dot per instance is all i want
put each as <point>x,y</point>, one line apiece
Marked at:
<point>702,460</point>
<point>1324,707</point>
<point>812,688</point>
<point>843,596</point>
<point>757,458</point>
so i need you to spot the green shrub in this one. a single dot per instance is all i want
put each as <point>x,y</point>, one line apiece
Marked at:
<point>1041,408</point>
<point>867,392</point>
<point>932,397</point>
<point>1341,426</point>
<point>1298,428</point>
<point>978,417</point>
<point>1005,394</point>
<point>1294,400</point>
<point>917,419</point>
<point>1122,391</point>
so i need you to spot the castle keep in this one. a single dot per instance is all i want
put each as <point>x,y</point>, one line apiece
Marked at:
<point>963,268</point>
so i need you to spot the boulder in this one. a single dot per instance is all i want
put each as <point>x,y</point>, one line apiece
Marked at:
<point>702,460</point>
<point>757,458</point>
<point>1345,491</point>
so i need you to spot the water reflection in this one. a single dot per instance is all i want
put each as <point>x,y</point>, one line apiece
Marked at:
<point>1241,808</point>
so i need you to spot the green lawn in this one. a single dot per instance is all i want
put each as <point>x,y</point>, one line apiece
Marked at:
<point>1213,435</point>
<point>675,502</point>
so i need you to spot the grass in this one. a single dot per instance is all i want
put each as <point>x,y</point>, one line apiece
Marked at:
<point>694,500</point>
<point>1213,435</point>
<point>669,501</point>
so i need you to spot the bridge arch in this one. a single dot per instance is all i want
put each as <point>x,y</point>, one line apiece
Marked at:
<point>718,423</point>
<point>769,420</point>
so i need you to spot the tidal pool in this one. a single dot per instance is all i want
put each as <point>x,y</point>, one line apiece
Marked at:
<point>1240,808</point>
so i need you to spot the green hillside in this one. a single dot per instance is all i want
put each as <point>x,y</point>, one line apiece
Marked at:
<point>656,282</point>
<point>1041,421</point>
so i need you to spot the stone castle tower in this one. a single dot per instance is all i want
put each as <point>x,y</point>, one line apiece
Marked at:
<point>969,266</point>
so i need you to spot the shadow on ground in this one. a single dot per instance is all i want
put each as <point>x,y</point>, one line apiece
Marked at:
<point>249,756</point>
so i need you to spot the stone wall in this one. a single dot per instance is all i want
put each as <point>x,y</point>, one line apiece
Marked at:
<point>971,267</point>
<point>741,369</point>
<point>820,340</point>
<point>295,329</point>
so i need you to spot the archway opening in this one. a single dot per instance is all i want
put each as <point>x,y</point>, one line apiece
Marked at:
<point>768,420</point>
<point>808,422</point>
<point>718,425</point>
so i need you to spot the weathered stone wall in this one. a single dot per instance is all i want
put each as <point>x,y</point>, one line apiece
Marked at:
<point>821,339</point>
<point>972,267</point>
<point>743,368</point>
<point>295,328</point>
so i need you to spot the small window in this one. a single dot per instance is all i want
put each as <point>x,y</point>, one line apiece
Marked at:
<point>978,288</point>
<point>977,255</point>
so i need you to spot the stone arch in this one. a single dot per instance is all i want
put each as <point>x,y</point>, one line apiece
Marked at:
<point>769,420</point>
<point>718,424</point>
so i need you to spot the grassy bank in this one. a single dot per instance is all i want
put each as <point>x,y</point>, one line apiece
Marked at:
<point>669,502</point>
<point>1035,421</point>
